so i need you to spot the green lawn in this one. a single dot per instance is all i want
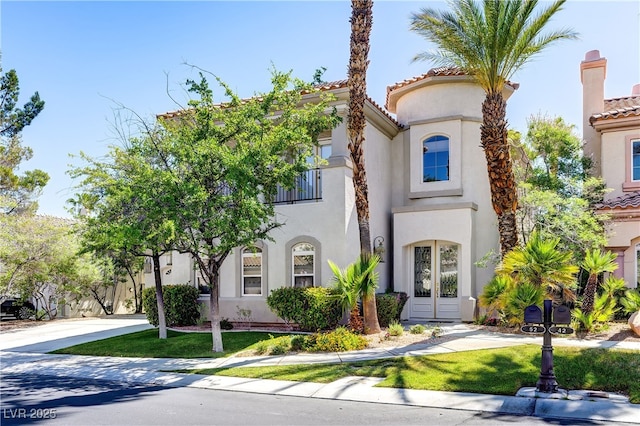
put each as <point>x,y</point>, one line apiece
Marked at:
<point>177,345</point>
<point>492,371</point>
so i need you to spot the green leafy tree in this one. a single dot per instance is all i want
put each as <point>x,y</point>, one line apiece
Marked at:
<point>121,205</point>
<point>491,41</point>
<point>557,195</point>
<point>220,166</point>
<point>17,192</point>
<point>37,260</point>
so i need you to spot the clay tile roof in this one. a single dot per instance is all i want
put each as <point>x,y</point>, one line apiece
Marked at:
<point>331,85</point>
<point>434,72</point>
<point>618,107</point>
<point>631,199</point>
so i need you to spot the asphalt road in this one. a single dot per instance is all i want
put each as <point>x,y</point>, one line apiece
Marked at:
<point>29,399</point>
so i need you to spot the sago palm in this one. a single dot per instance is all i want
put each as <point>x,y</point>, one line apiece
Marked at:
<point>491,41</point>
<point>595,263</point>
<point>359,279</point>
<point>543,265</point>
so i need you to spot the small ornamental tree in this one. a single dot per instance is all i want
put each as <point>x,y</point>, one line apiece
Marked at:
<point>120,208</point>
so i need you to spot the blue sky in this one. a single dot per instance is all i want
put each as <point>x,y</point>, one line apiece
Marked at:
<point>85,57</point>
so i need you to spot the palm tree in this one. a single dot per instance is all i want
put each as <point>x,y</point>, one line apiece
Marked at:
<point>491,42</point>
<point>361,19</point>
<point>595,263</point>
<point>543,265</point>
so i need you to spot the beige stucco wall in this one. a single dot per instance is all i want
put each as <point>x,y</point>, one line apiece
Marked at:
<point>615,160</point>
<point>458,210</point>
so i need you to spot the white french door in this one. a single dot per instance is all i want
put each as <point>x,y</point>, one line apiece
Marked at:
<point>435,274</point>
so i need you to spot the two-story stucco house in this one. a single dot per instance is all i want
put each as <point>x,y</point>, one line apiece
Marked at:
<point>429,198</point>
<point>611,131</point>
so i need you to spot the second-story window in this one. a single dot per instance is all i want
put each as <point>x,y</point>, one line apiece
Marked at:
<point>303,265</point>
<point>635,159</point>
<point>435,159</point>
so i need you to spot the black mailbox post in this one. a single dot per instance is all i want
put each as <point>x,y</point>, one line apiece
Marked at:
<point>532,315</point>
<point>548,317</point>
<point>547,380</point>
<point>561,315</point>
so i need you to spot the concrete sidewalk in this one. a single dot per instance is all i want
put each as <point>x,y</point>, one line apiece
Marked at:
<point>23,353</point>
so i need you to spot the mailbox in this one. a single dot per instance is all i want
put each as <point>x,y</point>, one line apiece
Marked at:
<point>561,315</point>
<point>533,314</point>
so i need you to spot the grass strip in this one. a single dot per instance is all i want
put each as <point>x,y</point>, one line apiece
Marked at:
<point>491,371</point>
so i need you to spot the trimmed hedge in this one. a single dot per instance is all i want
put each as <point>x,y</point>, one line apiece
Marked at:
<point>389,306</point>
<point>312,308</point>
<point>180,305</point>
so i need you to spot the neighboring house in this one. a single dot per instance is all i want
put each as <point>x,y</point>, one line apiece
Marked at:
<point>611,131</point>
<point>430,208</point>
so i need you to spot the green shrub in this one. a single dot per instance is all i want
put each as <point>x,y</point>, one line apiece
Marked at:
<point>313,308</point>
<point>180,305</point>
<point>225,324</point>
<point>395,329</point>
<point>273,346</point>
<point>339,340</point>
<point>631,301</point>
<point>298,342</point>
<point>150,305</point>
<point>417,329</point>
<point>389,307</point>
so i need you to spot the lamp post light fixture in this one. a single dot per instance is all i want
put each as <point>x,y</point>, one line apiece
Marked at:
<point>378,247</point>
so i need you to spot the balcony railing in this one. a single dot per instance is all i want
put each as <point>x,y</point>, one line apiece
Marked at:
<point>308,187</point>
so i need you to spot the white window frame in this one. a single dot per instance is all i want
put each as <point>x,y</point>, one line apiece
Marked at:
<point>148,265</point>
<point>294,254</point>
<point>246,253</point>
<point>442,139</point>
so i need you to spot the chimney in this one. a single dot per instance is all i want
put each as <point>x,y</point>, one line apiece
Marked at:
<point>593,71</point>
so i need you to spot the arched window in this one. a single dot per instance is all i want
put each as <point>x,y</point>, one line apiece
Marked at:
<point>435,159</point>
<point>303,257</point>
<point>251,271</point>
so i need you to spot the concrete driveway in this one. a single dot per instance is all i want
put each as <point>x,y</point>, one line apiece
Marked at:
<point>61,333</point>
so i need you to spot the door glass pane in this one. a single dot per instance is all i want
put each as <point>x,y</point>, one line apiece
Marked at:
<point>422,271</point>
<point>448,271</point>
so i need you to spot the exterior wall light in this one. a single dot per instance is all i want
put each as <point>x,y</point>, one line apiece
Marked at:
<point>378,247</point>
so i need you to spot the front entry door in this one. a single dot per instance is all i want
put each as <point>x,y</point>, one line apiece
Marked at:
<point>435,280</point>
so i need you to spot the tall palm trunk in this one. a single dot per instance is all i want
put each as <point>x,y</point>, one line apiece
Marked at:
<point>493,136</point>
<point>590,294</point>
<point>361,19</point>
